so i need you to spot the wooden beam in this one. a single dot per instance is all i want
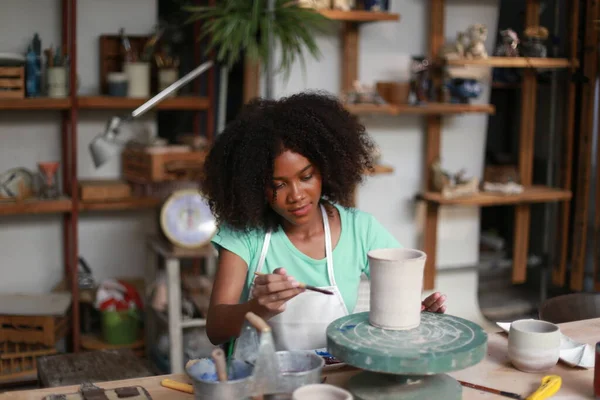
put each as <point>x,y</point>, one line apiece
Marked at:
<point>349,55</point>
<point>433,145</point>
<point>559,266</point>
<point>590,71</point>
<point>251,80</point>
<point>526,150</point>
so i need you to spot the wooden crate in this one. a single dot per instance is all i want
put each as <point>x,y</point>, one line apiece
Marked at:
<point>103,190</point>
<point>18,361</point>
<point>112,57</point>
<point>170,163</point>
<point>44,330</point>
<point>12,82</point>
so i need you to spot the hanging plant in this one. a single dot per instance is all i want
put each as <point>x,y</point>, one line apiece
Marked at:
<point>236,27</point>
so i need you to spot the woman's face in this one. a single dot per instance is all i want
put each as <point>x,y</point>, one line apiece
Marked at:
<point>296,188</point>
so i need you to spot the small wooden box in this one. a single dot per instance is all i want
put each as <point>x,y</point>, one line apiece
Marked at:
<point>161,164</point>
<point>12,82</point>
<point>103,190</point>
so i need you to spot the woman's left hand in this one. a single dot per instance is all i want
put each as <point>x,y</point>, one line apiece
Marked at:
<point>434,303</point>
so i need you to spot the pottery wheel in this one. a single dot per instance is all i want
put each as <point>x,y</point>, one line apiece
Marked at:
<point>404,364</point>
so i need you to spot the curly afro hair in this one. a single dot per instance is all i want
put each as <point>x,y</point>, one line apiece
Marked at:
<point>239,166</point>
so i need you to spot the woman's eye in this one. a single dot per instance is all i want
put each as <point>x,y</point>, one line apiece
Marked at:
<point>277,186</point>
<point>306,177</point>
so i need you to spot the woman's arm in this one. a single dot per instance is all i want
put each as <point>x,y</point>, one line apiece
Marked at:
<point>226,315</point>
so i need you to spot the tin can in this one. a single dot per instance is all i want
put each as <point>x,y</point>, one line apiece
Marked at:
<point>597,372</point>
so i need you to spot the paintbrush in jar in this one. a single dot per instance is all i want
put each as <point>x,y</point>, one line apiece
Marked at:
<point>305,286</point>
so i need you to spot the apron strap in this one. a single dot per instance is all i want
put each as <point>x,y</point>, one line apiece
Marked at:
<point>328,249</point>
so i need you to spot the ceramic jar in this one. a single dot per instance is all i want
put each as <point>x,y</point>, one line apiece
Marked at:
<point>396,288</point>
<point>533,346</point>
<point>321,392</point>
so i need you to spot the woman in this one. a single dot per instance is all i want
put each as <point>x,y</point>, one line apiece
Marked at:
<point>280,180</point>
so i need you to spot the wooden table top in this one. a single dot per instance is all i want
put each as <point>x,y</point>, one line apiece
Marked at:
<point>494,371</point>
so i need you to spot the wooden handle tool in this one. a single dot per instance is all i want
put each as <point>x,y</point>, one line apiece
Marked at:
<point>258,322</point>
<point>218,356</point>
<point>180,386</point>
<point>304,286</point>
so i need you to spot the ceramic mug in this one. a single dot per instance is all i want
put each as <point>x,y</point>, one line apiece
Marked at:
<point>396,288</point>
<point>533,346</point>
<point>321,391</point>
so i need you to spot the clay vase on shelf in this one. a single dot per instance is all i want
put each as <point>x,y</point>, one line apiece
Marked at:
<point>49,186</point>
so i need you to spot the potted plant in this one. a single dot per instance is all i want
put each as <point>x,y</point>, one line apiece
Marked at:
<point>242,27</point>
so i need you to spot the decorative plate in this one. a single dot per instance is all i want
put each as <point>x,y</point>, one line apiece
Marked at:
<point>186,220</point>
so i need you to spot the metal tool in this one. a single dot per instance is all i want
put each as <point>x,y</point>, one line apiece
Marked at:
<point>305,286</point>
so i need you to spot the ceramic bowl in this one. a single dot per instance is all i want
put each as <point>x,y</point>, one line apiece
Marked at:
<point>321,392</point>
<point>533,346</point>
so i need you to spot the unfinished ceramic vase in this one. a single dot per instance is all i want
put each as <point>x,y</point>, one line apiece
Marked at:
<point>396,288</point>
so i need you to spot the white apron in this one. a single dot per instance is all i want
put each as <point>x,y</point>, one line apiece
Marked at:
<point>303,324</point>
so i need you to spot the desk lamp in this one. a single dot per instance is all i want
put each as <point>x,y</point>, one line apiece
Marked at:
<point>104,146</point>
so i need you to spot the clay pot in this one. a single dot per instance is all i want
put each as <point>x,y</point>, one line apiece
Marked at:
<point>533,346</point>
<point>396,288</point>
<point>394,92</point>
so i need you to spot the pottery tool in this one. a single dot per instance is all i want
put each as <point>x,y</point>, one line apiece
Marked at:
<point>490,390</point>
<point>550,386</point>
<point>175,385</point>
<point>266,367</point>
<point>90,391</point>
<point>218,356</point>
<point>407,364</point>
<point>304,286</point>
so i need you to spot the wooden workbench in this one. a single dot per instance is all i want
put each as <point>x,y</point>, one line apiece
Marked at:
<point>494,371</point>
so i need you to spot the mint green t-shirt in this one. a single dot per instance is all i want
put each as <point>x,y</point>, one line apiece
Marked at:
<point>360,233</point>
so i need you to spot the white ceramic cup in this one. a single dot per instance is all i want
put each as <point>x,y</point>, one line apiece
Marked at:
<point>533,346</point>
<point>138,77</point>
<point>166,77</point>
<point>56,80</point>
<point>321,391</point>
<point>396,288</point>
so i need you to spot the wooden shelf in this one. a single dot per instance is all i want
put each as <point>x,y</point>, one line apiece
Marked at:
<point>117,103</point>
<point>425,109</point>
<point>514,62</point>
<point>381,169</point>
<point>36,206</point>
<point>359,16</point>
<point>133,203</point>
<point>35,103</point>
<point>533,194</point>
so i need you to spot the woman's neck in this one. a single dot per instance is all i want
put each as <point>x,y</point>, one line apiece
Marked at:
<point>311,228</point>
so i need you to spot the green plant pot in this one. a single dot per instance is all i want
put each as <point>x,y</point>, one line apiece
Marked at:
<point>120,327</point>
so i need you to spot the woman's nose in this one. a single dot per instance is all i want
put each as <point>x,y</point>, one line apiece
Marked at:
<point>295,193</point>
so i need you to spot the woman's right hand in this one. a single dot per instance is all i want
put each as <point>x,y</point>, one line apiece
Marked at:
<point>272,291</point>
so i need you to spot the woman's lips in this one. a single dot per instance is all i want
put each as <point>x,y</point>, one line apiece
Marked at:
<point>302,211</point>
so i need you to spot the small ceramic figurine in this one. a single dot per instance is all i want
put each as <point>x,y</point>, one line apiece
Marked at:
<point>456,50</point>
<point>343,5</point>
<point>478,35</point>
<point>533,45</point>
<point>509,47</point>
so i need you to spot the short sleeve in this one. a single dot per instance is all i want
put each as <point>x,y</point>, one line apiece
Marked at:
<point>237,242</point>
<point>378,237</point>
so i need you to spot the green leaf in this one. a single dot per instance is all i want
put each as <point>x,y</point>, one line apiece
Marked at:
<point>236,27</point>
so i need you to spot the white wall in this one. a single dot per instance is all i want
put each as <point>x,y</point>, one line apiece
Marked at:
<point>31,246</point>
<point>112,243</point>
<point>385,50</point>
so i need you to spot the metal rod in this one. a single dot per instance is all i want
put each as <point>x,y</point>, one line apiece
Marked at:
<point>170,89</point>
